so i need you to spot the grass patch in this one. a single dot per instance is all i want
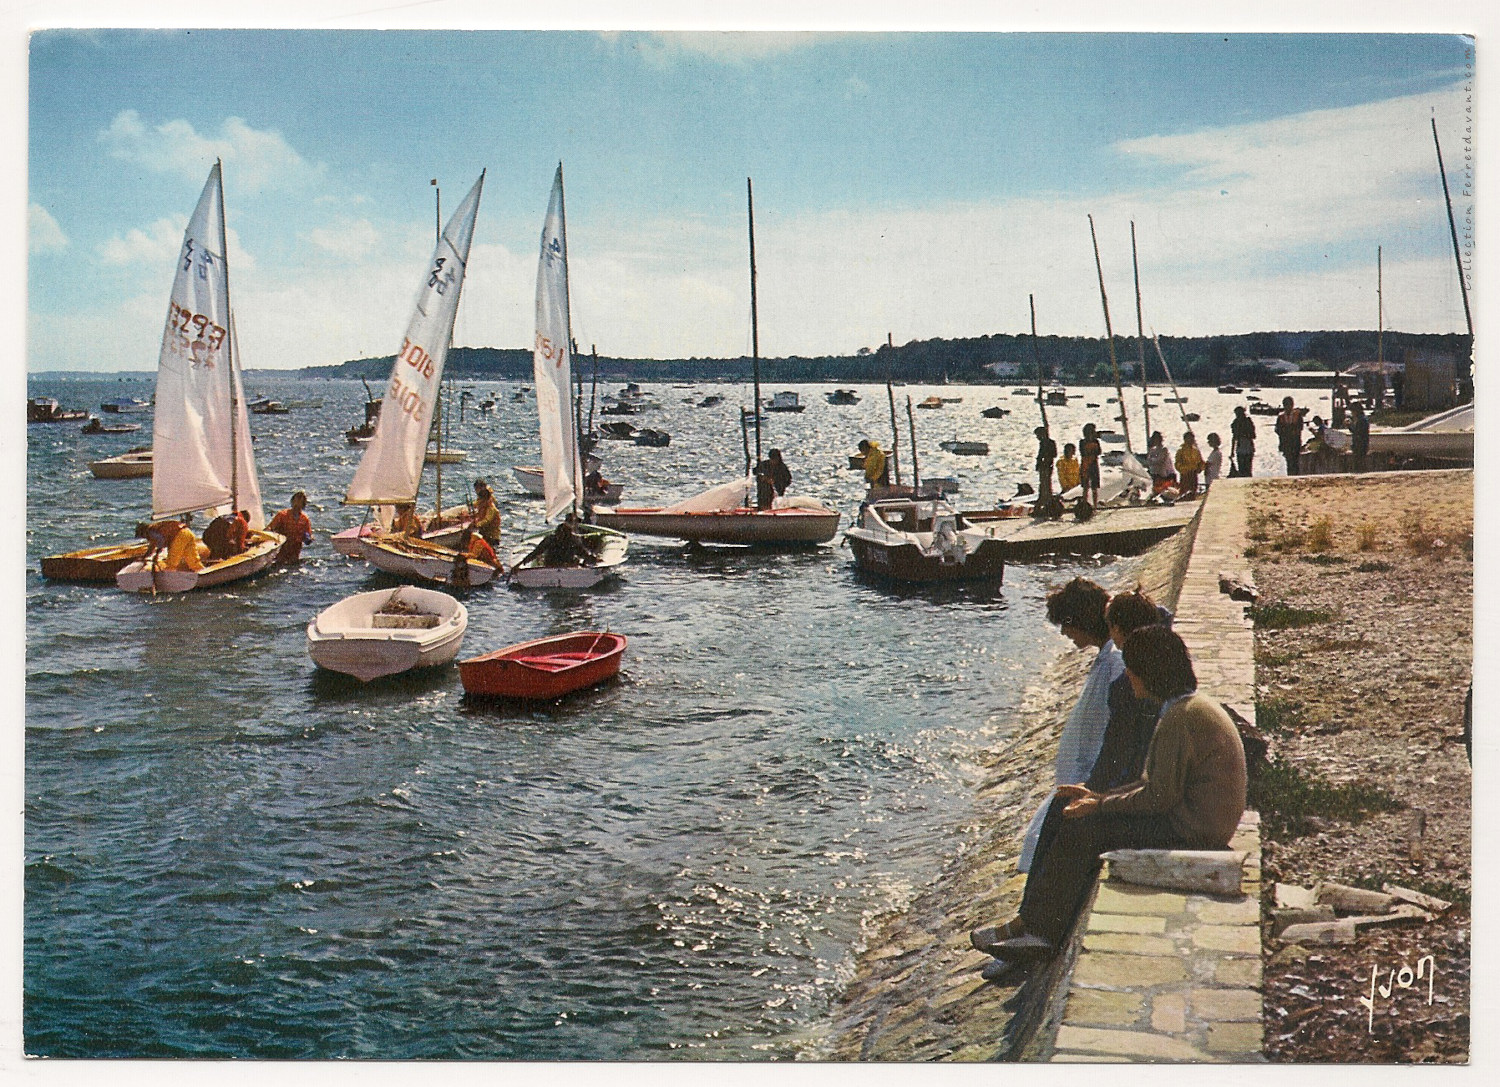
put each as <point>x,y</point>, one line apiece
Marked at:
<point>1289,539</point>
<point>1277,716</point>
<point>1320,536</point>
<point>1367,536</point>
<point>1279,616</point>
<point>1286,798</point>
<point>1259,524</point>
<point>1268,659</point>
<point>1419,537</point>
<point>1374,566</point>
<point>1324,560</point>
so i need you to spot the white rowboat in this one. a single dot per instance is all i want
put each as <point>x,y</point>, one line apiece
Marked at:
<point>382,633</point>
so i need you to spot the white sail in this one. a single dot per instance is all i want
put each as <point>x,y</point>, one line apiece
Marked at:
<point>201,433</point>
<point>391,469</point>
<point>552,360</point>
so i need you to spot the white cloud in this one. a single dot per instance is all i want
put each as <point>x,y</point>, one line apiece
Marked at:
<point>157,246</point>
<point>351,240</point>
<point>722,47</point>
<point>45,236</point>
<point>258,158</point>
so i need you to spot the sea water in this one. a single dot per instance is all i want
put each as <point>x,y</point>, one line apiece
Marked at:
<point>231,854</point>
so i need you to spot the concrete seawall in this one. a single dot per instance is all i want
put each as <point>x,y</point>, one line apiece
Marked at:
<point>916,994</point>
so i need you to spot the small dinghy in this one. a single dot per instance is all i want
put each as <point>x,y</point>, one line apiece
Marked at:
<point>137,464</point>
<point>544,562</point>
<point>369,635</point>
<point>546,668</point>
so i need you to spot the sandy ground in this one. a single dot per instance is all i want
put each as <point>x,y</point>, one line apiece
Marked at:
<point>1371,695</point>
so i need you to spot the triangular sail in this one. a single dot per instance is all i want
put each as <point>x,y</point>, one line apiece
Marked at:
<point>391,469</point>
<point>552,360</point>
<point>200,446</point>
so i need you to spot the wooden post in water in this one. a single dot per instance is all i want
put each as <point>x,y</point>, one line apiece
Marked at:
<point>916,473</point>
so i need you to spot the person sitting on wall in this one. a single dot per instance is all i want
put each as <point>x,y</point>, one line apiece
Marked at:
<point>1190,796</point>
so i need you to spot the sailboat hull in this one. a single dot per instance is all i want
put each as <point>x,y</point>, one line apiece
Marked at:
<point>140,578</point>
<point>402,556</point>
<point>612,556</point>
<point>795,526</point>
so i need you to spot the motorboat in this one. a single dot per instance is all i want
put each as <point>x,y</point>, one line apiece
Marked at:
<point>388,631</point>
<point>96,425</point>
<point>995,413</point>
<point>44,409</point>
<point>655,439</point>
<point>266,406</point>
<point>445,456</point>
<point>136,464</point>
<point>921,540</point>
<point>125,405</point>
<point>931,402</point>
<point>843,396</point>
<point>546,668</point>
<point>784,401</point>
<point>965,449</point>
<point>603,552</point>
<point>1446,436</point>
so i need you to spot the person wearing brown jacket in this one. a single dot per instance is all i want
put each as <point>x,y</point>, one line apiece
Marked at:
<point>1190,796</point>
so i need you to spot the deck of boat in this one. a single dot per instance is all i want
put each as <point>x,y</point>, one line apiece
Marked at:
<point>1127,530</point>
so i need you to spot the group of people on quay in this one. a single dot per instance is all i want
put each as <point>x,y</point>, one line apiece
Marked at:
<point>1189,472</point>
<point>1144,761</point>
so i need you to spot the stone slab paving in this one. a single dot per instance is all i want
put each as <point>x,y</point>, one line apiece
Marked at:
<point>1164,976</point>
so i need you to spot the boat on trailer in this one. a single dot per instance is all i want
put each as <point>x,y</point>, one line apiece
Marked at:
<point>386,632</point>
<point>921,540</point>
<point>546,668</point>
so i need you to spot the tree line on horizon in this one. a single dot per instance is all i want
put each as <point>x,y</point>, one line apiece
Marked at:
<point>1195,360</point>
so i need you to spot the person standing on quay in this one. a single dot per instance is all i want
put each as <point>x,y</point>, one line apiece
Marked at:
<point>1289,434</point>
<point>1089,452</point>
<point>1213,464</point>
<point>1359,431</point>
<point>1241,444</point>
<point>1189,463</point>
<point>1046,455</point>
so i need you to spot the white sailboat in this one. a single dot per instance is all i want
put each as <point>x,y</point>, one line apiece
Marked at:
<point>543,560</point>
<point>201,439</point>
<point>727,513</point>
<point>390,471</point>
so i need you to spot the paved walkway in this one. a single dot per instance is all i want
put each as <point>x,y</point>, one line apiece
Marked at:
<point>1166,976</point>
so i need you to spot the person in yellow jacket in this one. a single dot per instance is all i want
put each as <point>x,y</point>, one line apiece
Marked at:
<point>1189,463</point>
<point>1067,468</point>
<point>876,472</point>
<point>182,551</point>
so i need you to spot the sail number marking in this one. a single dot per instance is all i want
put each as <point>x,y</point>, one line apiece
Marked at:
<point>197,335</point>
<point>554,353</point>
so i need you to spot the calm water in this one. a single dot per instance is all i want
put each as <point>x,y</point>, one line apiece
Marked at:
<point>230,854</point>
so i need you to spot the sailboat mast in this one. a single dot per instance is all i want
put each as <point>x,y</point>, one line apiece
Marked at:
<point>1140,338</point>
<point>1037,354</point>
<point>754,316</point>
<point>1109,333</point>
<point>1453,232</point>
<point>891,396</point>
<point>593,388</point>
<point>438,409</point>
<point>562,218</point>
<point>1379,310</point>
<point>234,409</point>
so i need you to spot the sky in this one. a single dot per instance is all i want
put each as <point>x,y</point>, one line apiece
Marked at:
<point>916,184</point>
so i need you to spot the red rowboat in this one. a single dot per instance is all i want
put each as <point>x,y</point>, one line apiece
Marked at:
<point>546,668</point>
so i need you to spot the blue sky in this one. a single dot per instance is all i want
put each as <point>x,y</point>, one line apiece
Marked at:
<point>920,184</point>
